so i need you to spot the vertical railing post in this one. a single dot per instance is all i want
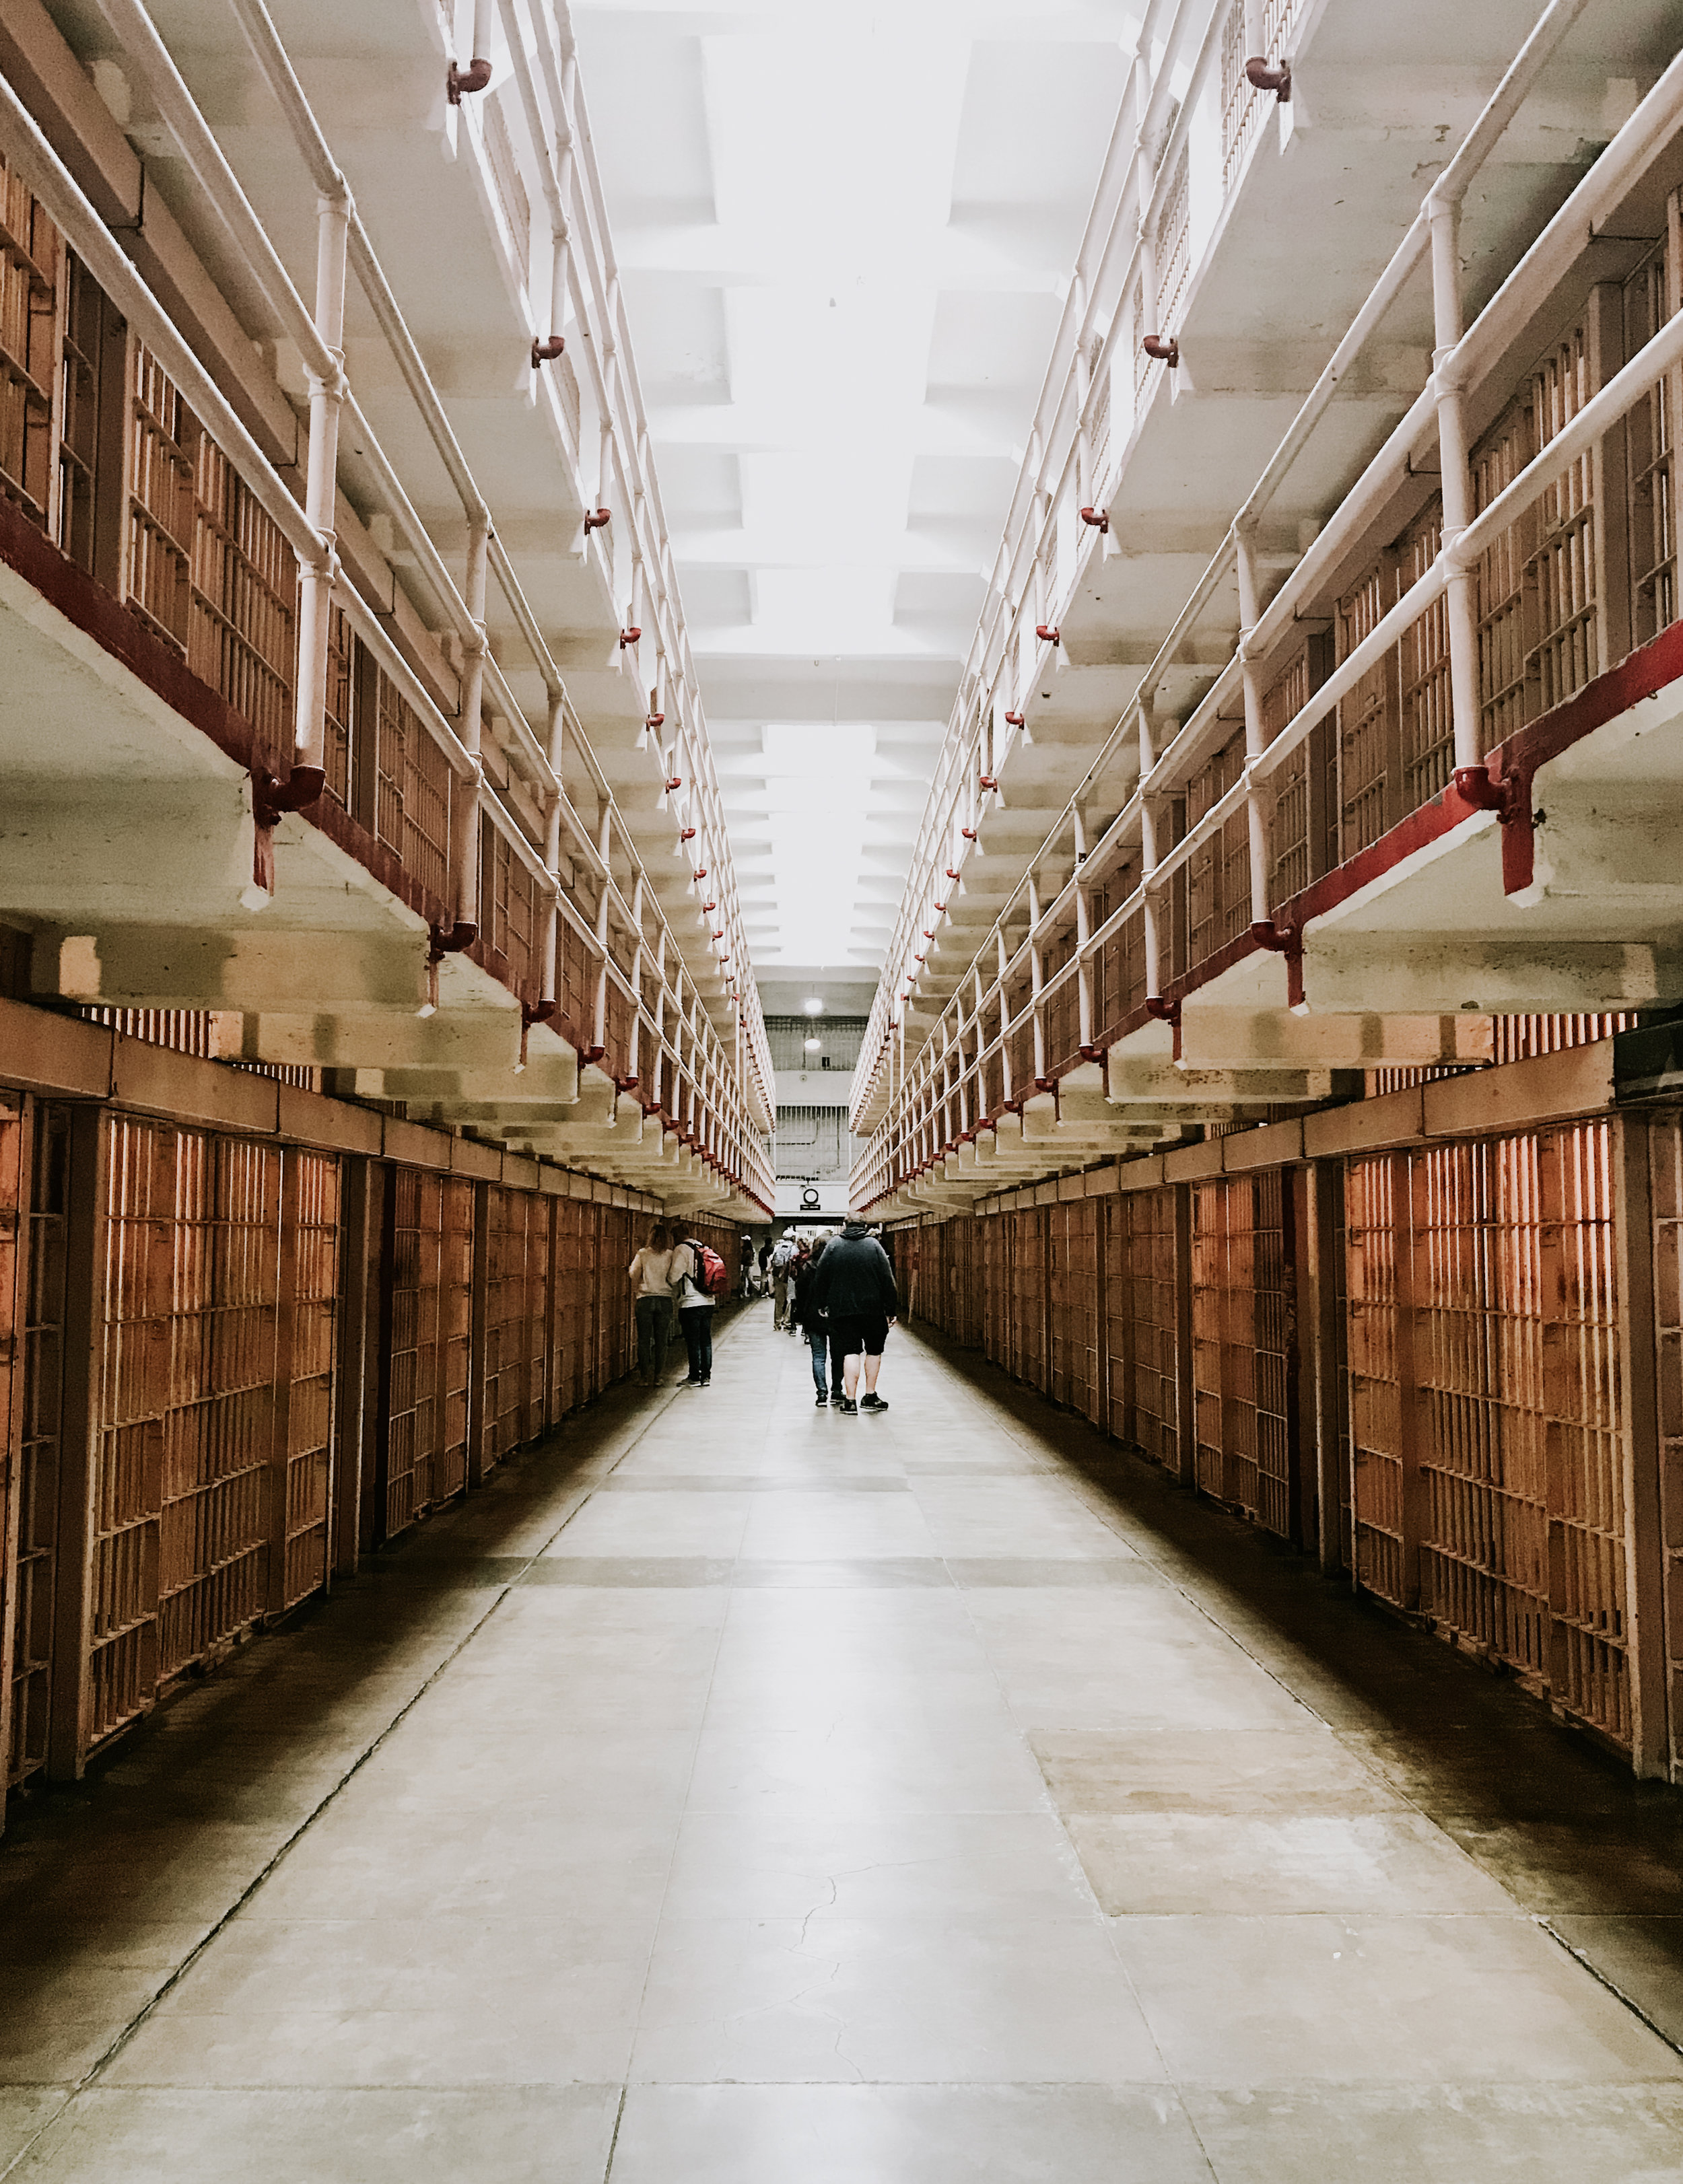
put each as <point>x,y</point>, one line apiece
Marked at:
<point>1035,981</point>
<point>316,578</point>
<point>1148,863</point>
<point>598,1037</point>
<point>1461,605</point>
<point>465,828</point>
<point>1083,929</point>
<point>552,844</point>
<point>1256,731</point>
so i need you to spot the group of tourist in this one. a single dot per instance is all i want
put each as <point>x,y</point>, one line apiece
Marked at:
<point>838,1292</point>
<point>673,1272</point>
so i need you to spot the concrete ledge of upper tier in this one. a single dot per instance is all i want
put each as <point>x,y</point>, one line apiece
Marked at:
<point>60,1057</point>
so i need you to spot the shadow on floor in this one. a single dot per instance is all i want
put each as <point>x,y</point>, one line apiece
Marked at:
<point>1547,1810</point>
<point>107,1886</point>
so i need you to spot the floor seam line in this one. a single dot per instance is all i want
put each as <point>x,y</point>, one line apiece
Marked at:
<point>1636,2009</point>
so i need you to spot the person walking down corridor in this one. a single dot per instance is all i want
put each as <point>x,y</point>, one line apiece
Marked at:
<point>652,1284</point>
<point>782,1259</point>
<point>807,1317</point>
<point>695,1303</point>
<point>854,1285</point>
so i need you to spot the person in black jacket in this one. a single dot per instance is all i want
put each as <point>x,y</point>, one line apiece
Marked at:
<point>854,1285</point>
<point>812,1322</point>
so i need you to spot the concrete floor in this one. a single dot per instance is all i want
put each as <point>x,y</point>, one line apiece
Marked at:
<point>735,1793</point>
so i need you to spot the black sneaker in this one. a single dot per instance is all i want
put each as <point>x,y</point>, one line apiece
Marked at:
<point>690,1382</point>
<point>873,1403</point>
<point>850,1409</point>
<point>824,1402</point>
<point>704,1384</point>
<point>837,1399</point>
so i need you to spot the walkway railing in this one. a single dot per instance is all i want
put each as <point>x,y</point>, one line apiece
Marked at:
<point>184,519</point>
<point>1495,608</point>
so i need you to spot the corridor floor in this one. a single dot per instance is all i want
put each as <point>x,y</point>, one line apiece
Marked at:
<point>738,1793</point>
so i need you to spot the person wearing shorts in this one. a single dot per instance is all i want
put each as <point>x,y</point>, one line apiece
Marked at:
<point>855,1286</point>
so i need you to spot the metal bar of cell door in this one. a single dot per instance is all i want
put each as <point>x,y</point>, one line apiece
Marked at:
<point>279,1405</point>
<point>1185,1399</point>
<point>357,1396</point>
<point>1654,1736</point>
<point>84,1360</point>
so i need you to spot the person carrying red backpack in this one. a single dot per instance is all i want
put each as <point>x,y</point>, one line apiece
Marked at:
<point>699,1281</point>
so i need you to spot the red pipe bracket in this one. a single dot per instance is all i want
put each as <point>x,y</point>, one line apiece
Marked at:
<point>460,81</point>
<point>1046,632</point>
<point>1098,517</point>
<point>602,516</point>
<point>1161,351</point>
<point>1261,75</point>
<point>546,351</point>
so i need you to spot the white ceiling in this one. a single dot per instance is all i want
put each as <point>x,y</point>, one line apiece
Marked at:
<point>844,235</point>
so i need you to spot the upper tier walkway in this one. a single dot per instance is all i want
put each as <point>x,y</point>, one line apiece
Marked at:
<point>735,1792</point>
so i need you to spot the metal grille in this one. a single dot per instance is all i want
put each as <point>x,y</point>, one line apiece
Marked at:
<point>572,1304</point>
<point>996,1260</point>
<point>242,636</point>
<point>1365,718</point>
<point>512,201</point>
<point>1099,413</point>
<point>313,1238</point>
<point>1428,720</point>
<point>1072,1275</point>
<point>159,583</point>
<point>409,1436</point>
<point>412,796</point>
<point>1506,700</point>
<point>1140,1291</point>
<point>1563,569</point>
<point>340,700</point>
<point>1219,873</point>
<point>1245,109</point>
<point>509,899</point>
<point>29,272</point>
<point>91,365</point>
<point>191,1297</point>
<point>1484,1343</point>
<point>1239,1307</point>
<point>1652,427</point>
<point>812,1144</point>
<point>1517,1039</point>
<point>1665,1168</point>
<point>517,1266</point>
<point>1029,1297</point>
<point>217,1411</point>
<point>1516,1363</point>
<point>616,1337</point>
<point>37,1346</point>
<point>839,1039</point>
<point>1287,697</point>
<point>1372,1252</point>
<point>1174,243</point>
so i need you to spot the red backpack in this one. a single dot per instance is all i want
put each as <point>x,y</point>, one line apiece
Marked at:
<point>709,1269</point>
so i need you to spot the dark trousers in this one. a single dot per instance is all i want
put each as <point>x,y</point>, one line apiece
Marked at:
<point>653,1333</point>
<point>697,1339</point>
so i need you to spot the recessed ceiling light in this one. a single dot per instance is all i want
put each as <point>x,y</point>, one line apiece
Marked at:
<point>813,1005</point>
<point>814,1044</point>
